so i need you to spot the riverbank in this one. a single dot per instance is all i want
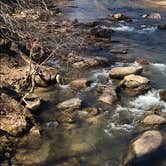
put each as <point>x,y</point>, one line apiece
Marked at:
<point>71,91</point>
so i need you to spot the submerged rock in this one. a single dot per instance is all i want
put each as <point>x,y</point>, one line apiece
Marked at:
<point>162,94</point>
<point>154,120</point>
<point>73,103</point>
<point>120,72</point>
<point>80,83</point>
<point>33,156</point>
<point>144,148</point>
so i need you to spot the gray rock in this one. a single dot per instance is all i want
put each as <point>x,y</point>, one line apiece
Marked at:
<point>120,72</point>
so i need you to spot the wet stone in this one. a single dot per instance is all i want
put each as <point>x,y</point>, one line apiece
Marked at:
<point>143,147</point>
<point>154,120</point>
<point>104,32</point>
<point>120,72</point>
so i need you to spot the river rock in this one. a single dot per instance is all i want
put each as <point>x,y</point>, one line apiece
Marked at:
<point>85,62</point>
<point>73,103</point>
<point>144,147</point>
<point>80,83</point>
<point>120,72</point>
<point>107,98</point>
<point>108,94</point>
<point>104,32</point>
<point>120,17</point>
<point>154,120</point>
<point>136,85</point>
<point>46,76</point>
<point>133,81</point>
<point>152,16</point>
<point>162,94</point>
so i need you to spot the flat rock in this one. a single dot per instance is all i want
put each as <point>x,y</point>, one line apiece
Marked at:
<point>120,72</point>
<point>154,120</point>
<point>73,103</point>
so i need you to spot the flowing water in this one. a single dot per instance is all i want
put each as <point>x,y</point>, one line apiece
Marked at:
<point>106,142</point>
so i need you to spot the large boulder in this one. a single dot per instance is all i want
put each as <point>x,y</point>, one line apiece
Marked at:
<point>145,148</point>
<point>154,120</point>
<point>120,72</point>
<point>73,103</point>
